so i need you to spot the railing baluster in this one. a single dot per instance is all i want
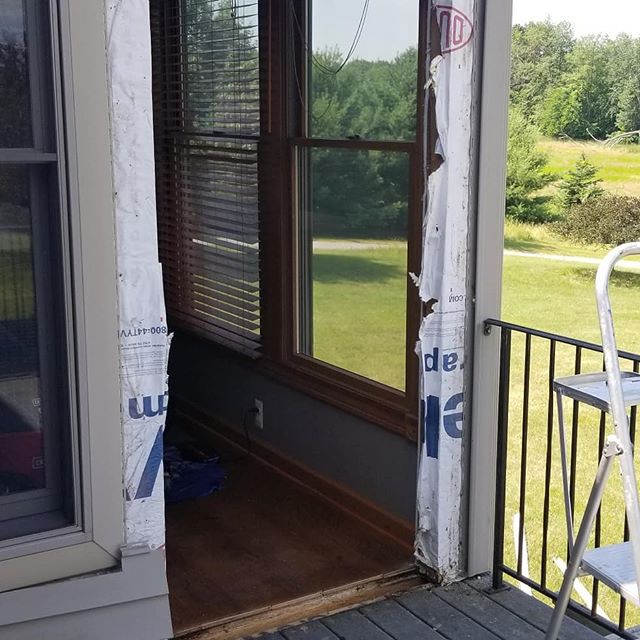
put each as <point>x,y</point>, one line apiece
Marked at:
<point>575,423</point>
<point>598,528</point>
<point>523,448</point>
<point>501,463</point>
<point>632,432</point>
<point>547,468</point>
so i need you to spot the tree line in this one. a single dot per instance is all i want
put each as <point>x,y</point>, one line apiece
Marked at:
<point>582,88</point>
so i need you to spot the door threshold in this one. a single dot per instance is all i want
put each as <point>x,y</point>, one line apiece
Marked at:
<point>322,603</point>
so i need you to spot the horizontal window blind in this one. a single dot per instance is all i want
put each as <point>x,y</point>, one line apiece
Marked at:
<point>207,120</point>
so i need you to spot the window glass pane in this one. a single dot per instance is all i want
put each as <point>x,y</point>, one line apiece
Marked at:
<point>220,72</point>
<point>353,260</point>
<point>34,448</point>
<point>15,120</point>
<point>36,461</point>
<point>22,452</point>
<point>364,69</point>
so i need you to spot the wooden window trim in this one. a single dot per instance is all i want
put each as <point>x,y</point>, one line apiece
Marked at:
<point>392,409</point>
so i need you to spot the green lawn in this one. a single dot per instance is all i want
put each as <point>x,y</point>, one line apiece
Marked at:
<point>559,297</point>
<point>16,277</point>
<point>359,302</point>
<point>619,166</point>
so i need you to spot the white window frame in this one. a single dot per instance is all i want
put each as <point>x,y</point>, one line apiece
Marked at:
<point>95,543</point>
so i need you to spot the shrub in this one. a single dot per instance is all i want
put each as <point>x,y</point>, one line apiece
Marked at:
<point>609,220</point>
<point>580,184</point>
<point>527,172</point>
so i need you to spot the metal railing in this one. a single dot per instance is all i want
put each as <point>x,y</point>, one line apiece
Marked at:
<point>529,486</point>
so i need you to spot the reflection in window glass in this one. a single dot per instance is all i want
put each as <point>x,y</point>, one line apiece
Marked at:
<point>15,121</point>
<point>353,261</point>
<point>363,68</point>
<point>220,78</point>
<point>36,455</point>
<point>21,443</point>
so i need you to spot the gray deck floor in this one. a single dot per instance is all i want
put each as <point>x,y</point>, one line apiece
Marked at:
<point>466,611</point>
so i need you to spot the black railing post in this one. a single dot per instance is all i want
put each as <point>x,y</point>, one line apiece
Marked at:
<point>548,463</point>
<point>501,468</point>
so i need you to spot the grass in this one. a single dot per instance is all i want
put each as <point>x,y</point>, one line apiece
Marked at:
<point>559,297</point>
<point>359,302</point>
<point>16,277</point>
<point>619,166</point>
<point>530,238</point>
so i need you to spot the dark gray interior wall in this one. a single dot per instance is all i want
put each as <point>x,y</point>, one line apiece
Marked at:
<point>373,462</point>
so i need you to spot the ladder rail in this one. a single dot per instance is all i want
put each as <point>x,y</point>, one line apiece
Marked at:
<point>616,394</point>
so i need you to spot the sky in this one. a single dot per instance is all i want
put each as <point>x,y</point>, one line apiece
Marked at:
<point>10,20</point>
<point>610,17</point>
<point>391,26</point>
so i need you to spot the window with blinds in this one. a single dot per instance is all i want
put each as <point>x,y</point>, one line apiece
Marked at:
<point>207,119</point>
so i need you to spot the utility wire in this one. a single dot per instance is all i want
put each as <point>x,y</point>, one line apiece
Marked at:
<point>352,48</point>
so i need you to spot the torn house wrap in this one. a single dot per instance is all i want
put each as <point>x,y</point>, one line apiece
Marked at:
<point>443,288</point>
<point>144,342</point>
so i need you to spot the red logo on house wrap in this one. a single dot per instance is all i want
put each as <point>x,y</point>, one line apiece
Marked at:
<point>456,28</point>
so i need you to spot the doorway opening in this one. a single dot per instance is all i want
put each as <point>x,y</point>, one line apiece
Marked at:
<point>275,543</point>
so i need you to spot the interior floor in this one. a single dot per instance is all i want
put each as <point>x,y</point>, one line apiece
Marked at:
<point>263,540</point>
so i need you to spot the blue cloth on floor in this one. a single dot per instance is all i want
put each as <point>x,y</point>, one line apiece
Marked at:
<point>186,477</point>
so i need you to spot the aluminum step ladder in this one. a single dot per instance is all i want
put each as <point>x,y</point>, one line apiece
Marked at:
<point>613,391</point>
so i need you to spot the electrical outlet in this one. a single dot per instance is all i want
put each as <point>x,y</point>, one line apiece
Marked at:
<point>258,416</point>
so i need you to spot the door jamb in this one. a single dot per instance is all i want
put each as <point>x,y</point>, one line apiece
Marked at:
<point>496,65</point>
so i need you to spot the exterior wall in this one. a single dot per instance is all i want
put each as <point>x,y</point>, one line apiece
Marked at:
<point>373,462</point>
<point>130,602</point>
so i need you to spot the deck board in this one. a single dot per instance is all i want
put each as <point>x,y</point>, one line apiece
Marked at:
<point>399,622</point>
<point>313,630</point>
<point>488,614</point>
<point>440,615</point>
<point>470,610</point>
<point>535,612</point>
<point>355,626</point>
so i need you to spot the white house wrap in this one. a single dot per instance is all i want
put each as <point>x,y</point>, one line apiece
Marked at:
<point>443,287</point>
<point>144,343</point>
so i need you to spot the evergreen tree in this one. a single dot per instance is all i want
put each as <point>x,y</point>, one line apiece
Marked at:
<point>580,184</point>
<point>527,171</point>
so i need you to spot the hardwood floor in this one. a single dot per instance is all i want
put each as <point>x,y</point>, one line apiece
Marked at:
<point>261,541</point>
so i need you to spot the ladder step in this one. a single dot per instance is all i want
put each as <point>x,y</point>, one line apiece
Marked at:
<point>614,566</point>
<point>593,389</point>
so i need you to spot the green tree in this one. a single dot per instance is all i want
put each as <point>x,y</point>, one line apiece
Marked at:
<point>580,184</point>
<point>349,195</point>
<point>538,62</point>
<point>527,171</point>
<point>360,191</point>
<point>628,115</point>
<point>372,100</point>
<point>583,105</point>
<point>15,130</point>
<point>623,69</point>
<point>222,46</point>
